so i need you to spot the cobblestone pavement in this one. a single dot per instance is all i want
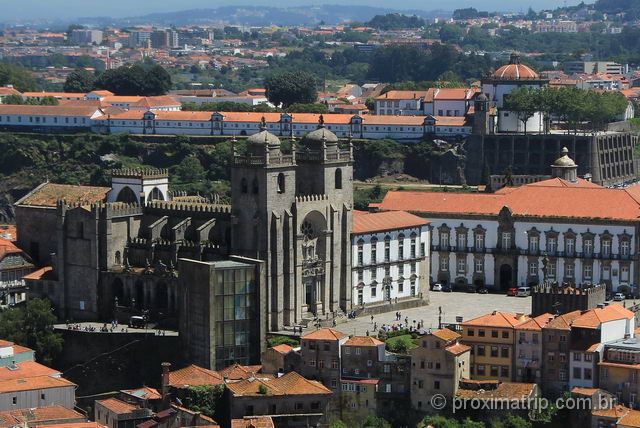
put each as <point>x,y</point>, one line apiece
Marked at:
<point>466,305</point>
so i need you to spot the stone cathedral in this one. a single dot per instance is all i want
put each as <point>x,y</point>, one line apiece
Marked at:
<point>122,248</point>
<point>294,211</point>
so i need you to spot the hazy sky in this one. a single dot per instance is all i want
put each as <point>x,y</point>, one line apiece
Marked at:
<point>21,9</point>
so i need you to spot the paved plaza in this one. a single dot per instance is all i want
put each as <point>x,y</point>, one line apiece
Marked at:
<point>455,304</point>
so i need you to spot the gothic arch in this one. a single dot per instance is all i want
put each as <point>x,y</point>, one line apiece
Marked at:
<point>281,183</point>
<point>126,195</point>
<point>156,195</point>
<point>338,178</point>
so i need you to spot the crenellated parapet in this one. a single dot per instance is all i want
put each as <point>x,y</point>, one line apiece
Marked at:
<point>140,173</point>
<point>186,207</point>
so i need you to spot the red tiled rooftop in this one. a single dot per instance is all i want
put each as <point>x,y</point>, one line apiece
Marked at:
<point>117,406</point>
<point>194,376</point>
<point>324,334</point>
<point>383,221</point>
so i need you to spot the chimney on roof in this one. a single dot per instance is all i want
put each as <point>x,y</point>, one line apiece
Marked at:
<point>166,368</point>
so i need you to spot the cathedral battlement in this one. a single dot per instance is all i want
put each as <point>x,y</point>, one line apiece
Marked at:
<point>250,160</point>
<point>312,198</point>
<point>140,173</point>
<point>195,207</point>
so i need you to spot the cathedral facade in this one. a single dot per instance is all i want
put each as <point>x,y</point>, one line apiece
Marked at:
<point>114,250</point>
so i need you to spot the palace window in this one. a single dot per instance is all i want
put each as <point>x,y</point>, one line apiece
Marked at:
<point>552,244</point>
<point>606,247</point>
<point>400,247</point>
<point>533,243</point>
<point>624,247</point>
<point>551,269</point>
<point>624,273</point>
<point>587,247</point>
<point>479,241</point>
<point>587,271</point>
<point>444,264</point>
<point>570,246</point>
<point>569,270</point>
<point>462,265</point>
<point>374,250</point>
<point>413,246</point>
<point>360,252</point>
<point>462,240</point>
<point>479,265</point>
<point>444,239</point>
<point>506,240</point>
<point>533,268</point>
<point>387,249</point>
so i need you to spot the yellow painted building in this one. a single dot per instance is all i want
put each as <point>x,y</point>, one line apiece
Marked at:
<point>492,338</point>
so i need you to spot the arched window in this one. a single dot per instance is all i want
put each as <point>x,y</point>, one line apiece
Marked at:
<point>126,195</point>
<point>254,186</point>
<point>156,195</point>
<point>281,183</point>
<point>244,188</point>
<point>338,178</point>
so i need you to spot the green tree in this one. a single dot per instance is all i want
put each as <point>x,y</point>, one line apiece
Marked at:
<point>136,80</point>
<point>438,421</point>
<point>370,103</point>
<point>338,424</point>
<point>19,77</point>
<point>32,326</point>
<point>318,108</point>
<point>190,170</point>
<point>290,88</point>
<point>204,398</point>
<point>375,422</point>
<point>523,101</point>
<point>49,101</point>
<point>80,80</point>
<point>451,33</point>
<point>13,99</point>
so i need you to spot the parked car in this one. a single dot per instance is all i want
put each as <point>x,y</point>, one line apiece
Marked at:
<point>447,288</point>
<point>619,297</point>
<point>137,322</point>
<point>512,292</point>
<point>437,287</point>
<point>483,290</point>
<point>524,292</point>
<point>471,289</point>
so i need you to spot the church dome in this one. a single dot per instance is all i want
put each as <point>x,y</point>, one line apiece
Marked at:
<point>515,71</point>
<point>564,160</point>
<point>264,136</point>
<point>315,139</point>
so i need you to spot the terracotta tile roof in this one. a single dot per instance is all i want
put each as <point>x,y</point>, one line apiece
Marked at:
<point>496,319</point>
<point>450,120</point>
<point>236,372</point>
<point>282,348</point>
<point>31,383</point>
<point>258,422</point>
<point>8,247</point>
<point>54,94</point>
<point>73,425</point>
<point>117,406</point>
<point>17,349</point>
<point>193,376</point>
<point>559,182</point>
<point>390,220</point>
<point>145,392</point>
<point>564,321</point>
<point>47,194</point>
<point>593,318</point>
<point>403,95</point>
<point>60,110</point>
<point>535,324</point>
<point>40,415</point>
<point>528,200</point>
<point>5,343</point>
<point>26,369</point>
<point>446,334</point>
<point>363,341</point>
<point>324,334</point>
<point>584,391</point>
<point>629,366</point>
<point>614,412</point>
<point>504,390</point>
<point>9,91</point>
<point>122,99</point>
<point>455,93</point>
<point>160,101</point>
<point>370,119</point>
<point>631,419</point>
<point>458,349</point>
<point>39,274</point>
<point>290,383</point>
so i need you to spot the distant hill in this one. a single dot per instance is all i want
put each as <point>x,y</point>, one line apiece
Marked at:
<point>261,16</point>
